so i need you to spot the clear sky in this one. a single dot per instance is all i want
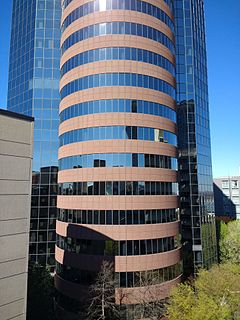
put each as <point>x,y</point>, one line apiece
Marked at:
<point>223,48</point>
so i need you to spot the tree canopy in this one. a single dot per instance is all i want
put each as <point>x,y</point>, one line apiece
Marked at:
<point>214,295</point>
<point>40,294</point>
<point>230,242</point>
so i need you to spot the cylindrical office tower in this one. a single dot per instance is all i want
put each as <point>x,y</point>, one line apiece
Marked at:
<point>117,157</point>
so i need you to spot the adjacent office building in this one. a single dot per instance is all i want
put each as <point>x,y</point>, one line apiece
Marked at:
<point>33,90</point>
<point>118,149</point>
<point>195,167</point>
<point>227,197</point>
<point>16,144</point>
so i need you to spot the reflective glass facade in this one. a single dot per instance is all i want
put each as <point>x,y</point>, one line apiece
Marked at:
<point>33,90</point>
<point>117,105</point>
<point>195,167</point>
<point>125,279</point>
<point>118,53</point>
<point>119,133</point>
<point>118,217</point>
<point>118,160</point>
<point>134,5</point>
<point>118,79</point>
<point>118,188</point>
<point>119,248</point>
<point>118,27</point>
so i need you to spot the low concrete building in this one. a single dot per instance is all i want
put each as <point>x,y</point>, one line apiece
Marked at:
<point>16,144</point>
<point>227,197</point>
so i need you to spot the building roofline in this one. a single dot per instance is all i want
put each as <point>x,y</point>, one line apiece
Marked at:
<point>226,177</point>
<point>15,115</point>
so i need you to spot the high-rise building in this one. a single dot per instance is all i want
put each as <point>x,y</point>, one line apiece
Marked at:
<point>227,197</point>
<point>117,157</point>
<point>195,168</point>
<point>33,90</point>
<point>16,147</point>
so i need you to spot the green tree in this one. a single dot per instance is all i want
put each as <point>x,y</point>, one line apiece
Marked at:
<point>230,242</point>
<point>40,294</point>
<point>214,295</point>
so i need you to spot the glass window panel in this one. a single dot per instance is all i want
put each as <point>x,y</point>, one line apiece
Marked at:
<point>115,187</point>
<point>109,216</point>
<point>109,188</point>
<point>129,187</point>
<point>122,187</point>
<point>122,217</point>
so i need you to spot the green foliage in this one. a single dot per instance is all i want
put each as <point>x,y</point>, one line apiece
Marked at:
<point>223,229</point>
<point>40,294</point>
<point>214,295</point>
<point>230,242</point>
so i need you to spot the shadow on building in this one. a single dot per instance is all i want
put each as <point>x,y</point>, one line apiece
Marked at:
<point>76,271</point>
<point>43,216</point>
<point>196,194</point>
<point>225,211</point>
<point>80,253</point>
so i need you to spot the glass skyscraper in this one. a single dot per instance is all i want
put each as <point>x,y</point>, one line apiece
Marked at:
<point>195,167</point>
<point>33,90</point>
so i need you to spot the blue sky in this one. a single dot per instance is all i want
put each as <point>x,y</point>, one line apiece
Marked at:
<point>223,48</point>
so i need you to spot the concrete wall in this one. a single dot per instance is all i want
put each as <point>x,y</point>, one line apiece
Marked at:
<point>227,197</point>
<point>16,135</point>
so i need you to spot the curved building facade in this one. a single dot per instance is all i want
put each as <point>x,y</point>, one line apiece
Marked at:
<point>118,148</point>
